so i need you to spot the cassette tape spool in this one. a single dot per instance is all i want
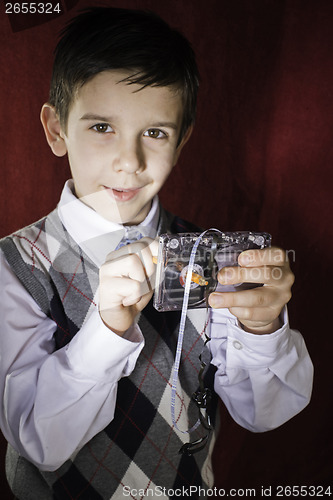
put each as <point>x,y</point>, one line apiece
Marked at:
<point>215,250</point>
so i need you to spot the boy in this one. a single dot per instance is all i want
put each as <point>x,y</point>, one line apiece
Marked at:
<point>86,361</point>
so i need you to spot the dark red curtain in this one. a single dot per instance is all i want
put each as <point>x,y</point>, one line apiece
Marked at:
<point>260,158</point>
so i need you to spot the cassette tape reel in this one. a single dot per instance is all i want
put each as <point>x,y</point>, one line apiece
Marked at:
<point>214,251</point>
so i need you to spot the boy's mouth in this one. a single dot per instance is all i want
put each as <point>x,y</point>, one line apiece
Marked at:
<point>120,194</point>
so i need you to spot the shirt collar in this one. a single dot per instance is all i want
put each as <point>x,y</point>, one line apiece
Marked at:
<point>93,233</point>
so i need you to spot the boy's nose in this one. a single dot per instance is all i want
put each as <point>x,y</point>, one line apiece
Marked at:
<point>130,158</point>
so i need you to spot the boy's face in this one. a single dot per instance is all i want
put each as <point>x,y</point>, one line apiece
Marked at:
<point>121,142</point>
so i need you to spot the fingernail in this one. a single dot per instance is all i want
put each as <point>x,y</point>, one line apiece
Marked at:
<point>215,301</point>
<point>245,258</point>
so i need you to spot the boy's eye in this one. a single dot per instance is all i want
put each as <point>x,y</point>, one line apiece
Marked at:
<point>102,128</point>
<point>155,133</point>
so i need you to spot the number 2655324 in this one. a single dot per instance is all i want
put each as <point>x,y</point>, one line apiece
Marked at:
<point>32,8</point>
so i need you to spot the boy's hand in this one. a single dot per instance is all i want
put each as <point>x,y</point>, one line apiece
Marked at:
<point>258,309</point>
<point>126,283</point>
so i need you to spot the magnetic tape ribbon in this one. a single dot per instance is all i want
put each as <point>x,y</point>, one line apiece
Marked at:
<point>183,321</point>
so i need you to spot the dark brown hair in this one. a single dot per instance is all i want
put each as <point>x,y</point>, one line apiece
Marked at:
<point>101,39</point>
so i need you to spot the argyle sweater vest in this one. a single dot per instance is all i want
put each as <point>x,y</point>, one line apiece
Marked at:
<point>137,454</point>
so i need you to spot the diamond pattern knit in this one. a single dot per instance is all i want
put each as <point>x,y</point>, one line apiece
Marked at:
<point>139,448</point>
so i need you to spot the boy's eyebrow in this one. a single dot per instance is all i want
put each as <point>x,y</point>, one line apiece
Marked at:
<point>108,119</point>
<point>165,124</point>
<point>92,116</point>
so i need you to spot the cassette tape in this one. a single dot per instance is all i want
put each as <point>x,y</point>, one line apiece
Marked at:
<point>215,250</point>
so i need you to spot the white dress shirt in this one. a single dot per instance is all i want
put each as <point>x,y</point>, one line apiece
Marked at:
<point>56,401</point>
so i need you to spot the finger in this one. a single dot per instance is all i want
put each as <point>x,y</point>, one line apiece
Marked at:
<point>259,297</point>
<point>127,266</point>
<point>128,293</point>
<point>144,249</point>
<point>135,254</point>
<point>270,275</point>
<point>135,248</point>
<point>120,318</point>
<point>271,256</point>
<point>152,245</point>
<point>256,316</point>
<point>256,319</point>
<point>141,304</point>
<point>133,292</point>
<point>147,250</point>
<point>146,255</point>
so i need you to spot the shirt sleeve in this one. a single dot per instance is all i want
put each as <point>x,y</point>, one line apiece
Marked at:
<point>264,380</point>
<point>70,392</point>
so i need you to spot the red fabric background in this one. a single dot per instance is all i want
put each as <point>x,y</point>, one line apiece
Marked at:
<point>260,158</point>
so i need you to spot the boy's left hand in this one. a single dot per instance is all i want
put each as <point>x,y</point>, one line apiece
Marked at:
<point>257,309</point>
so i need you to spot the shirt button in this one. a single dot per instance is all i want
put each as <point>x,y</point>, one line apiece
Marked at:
<point>237,345</point>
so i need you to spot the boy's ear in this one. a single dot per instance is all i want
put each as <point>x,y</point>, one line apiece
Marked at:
<point>182,143</point>
<point>52,129</point>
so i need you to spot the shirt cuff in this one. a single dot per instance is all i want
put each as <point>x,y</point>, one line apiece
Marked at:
<point>100,354</point>
<point>237,348</point>
<point>249,350</point>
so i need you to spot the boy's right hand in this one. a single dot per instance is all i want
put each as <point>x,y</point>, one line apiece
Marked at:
<point>127,280</point>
